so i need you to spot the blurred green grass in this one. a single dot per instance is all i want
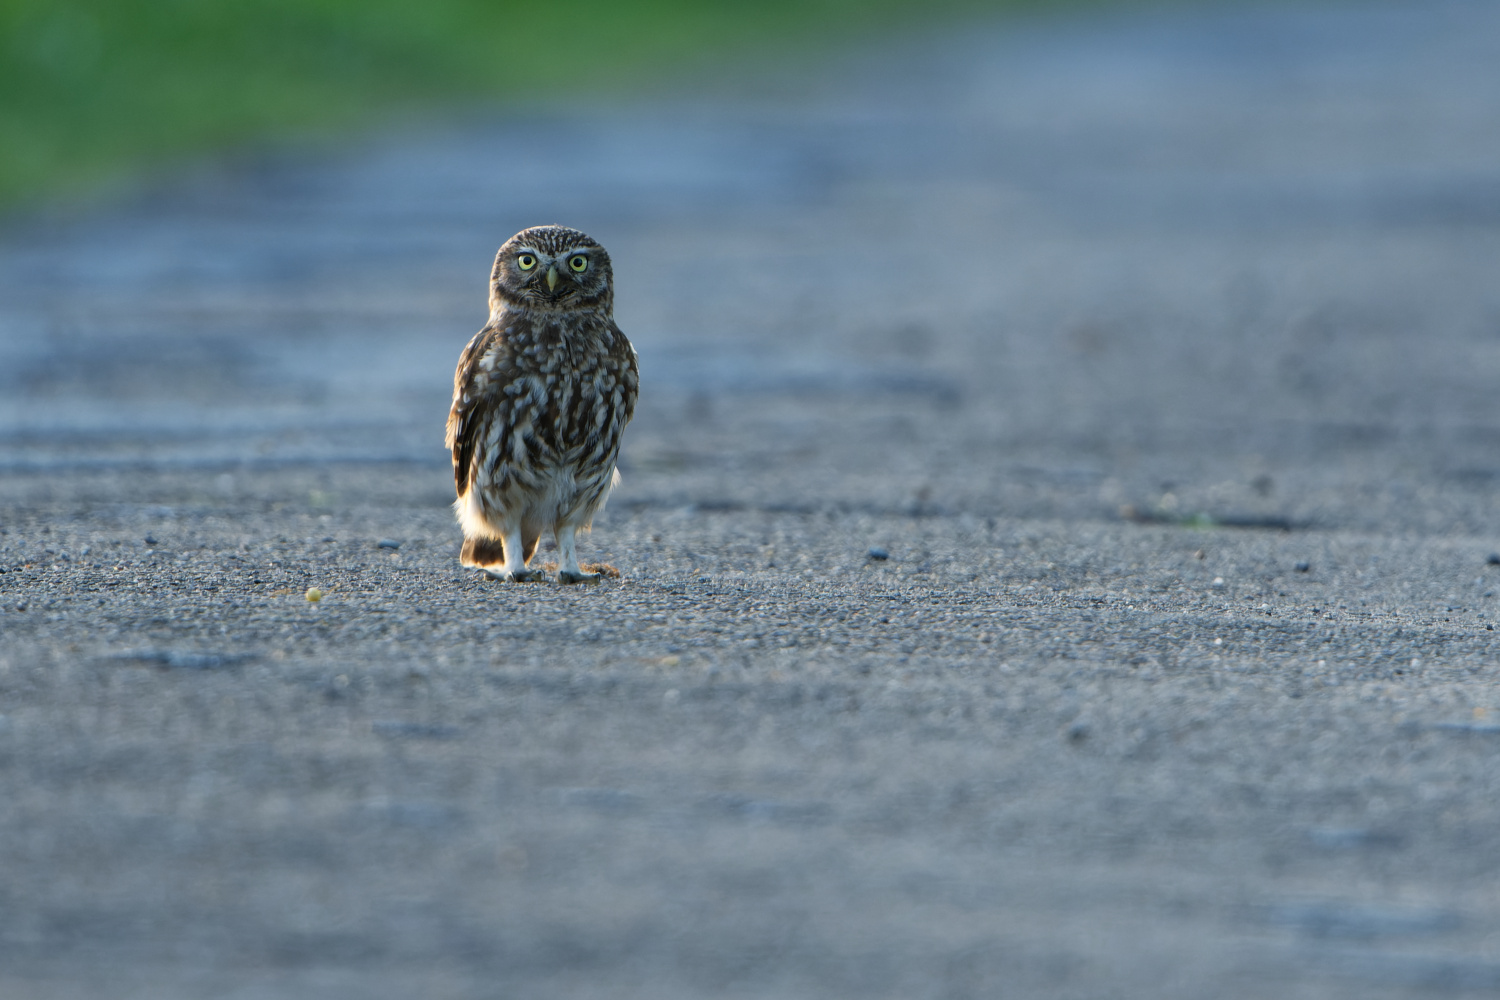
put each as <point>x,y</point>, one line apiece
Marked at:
<point>91,89</point>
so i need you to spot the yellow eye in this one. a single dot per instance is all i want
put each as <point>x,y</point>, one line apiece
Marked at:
<point>578,262</point>
<point>526,262</point>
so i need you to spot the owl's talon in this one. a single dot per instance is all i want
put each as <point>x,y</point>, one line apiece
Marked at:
<point>563,576</point>
<point>519,576</point>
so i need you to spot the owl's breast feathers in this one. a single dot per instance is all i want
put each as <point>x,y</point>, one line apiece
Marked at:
<point>535,394</point>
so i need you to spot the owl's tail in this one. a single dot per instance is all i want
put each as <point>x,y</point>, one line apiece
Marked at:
<point>479,553</point>
<point>482,552</point>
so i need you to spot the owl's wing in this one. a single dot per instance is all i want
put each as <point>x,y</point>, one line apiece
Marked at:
<point>465,417</point>
<point>633,376</point>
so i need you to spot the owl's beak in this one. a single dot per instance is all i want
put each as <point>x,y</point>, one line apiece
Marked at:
<point>551,279</point>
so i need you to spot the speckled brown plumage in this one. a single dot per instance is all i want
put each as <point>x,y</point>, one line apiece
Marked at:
<point>540,398</point>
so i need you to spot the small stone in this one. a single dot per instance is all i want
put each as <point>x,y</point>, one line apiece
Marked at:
<point>879,554</point>
<point>1218,581</point>
<point>149,540</point>
<point>172,659</point>
<point>1494,559</point>
<point>1303,567</point>
<point>1349,838</point>
<point>388,543</point>
<point>398,729</point>
<point>314,595</point>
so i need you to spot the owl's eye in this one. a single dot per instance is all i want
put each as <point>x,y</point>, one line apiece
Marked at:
<point>526,261</point>
<point>578,262</point>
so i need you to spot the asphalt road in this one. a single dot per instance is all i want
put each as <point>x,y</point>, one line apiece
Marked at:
<point>1158,354</point>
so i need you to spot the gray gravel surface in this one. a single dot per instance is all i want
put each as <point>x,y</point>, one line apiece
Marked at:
<point>1158,354</point>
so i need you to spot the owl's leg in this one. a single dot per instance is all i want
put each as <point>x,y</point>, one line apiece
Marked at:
<point>515,560</point>
<point>568,570</point>
<point>514,568</point>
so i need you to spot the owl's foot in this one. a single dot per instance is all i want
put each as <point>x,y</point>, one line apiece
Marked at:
<point>567,576</point>
<point>513,576</point>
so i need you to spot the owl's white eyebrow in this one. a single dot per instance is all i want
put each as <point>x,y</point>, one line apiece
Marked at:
<point>531,250</point>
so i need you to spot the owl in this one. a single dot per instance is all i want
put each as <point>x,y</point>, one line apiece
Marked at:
<point>540,399</point>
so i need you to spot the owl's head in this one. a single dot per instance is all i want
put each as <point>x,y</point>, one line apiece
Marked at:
<point>551,267</point>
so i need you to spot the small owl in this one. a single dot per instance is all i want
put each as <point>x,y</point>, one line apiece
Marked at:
<point>540,399</point>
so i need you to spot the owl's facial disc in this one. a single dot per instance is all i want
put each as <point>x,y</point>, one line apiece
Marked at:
<point>557,275</point>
